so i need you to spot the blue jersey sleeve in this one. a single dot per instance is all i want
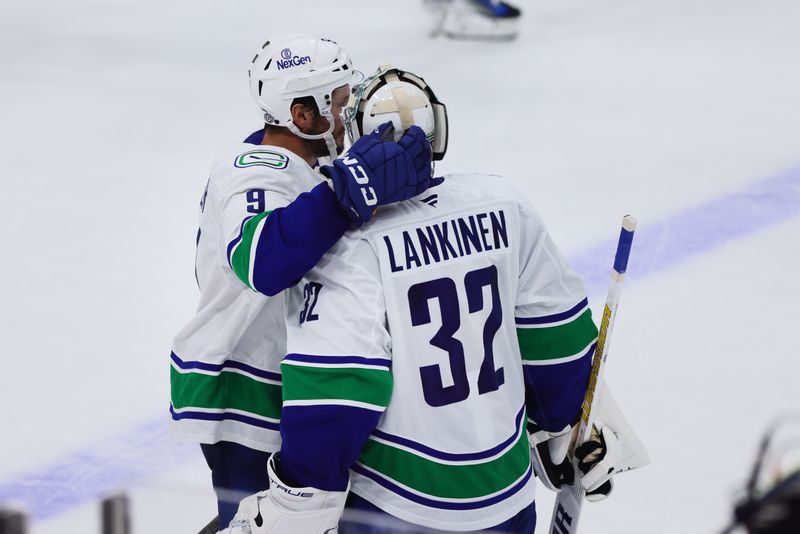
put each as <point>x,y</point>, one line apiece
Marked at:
<point>557,355</point>
<point>337,377</point>
<point>274,249</point>
<point>555,329</point>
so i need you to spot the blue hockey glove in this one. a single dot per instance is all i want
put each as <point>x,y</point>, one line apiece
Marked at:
<point>377,171</point>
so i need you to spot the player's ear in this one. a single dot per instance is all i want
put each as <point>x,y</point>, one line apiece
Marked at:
<point>303,116</point>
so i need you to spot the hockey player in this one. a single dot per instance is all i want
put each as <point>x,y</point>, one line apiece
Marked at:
<point>418,349</point>
<point>266,217</point>
<point>474,19</point>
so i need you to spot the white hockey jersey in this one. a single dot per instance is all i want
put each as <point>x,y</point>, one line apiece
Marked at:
<point>433,314</point>
<point>225,372</point>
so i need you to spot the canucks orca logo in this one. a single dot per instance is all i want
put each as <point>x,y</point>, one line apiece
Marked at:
<point>262,158</point>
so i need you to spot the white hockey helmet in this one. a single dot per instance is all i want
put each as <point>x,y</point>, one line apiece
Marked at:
<point>402,98</point>
<point>287,67</point>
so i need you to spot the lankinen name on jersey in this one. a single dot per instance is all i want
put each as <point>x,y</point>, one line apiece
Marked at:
<point>444,240</point>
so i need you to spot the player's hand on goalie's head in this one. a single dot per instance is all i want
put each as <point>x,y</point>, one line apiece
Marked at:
<point>378,171</point>
<point>597,459</point>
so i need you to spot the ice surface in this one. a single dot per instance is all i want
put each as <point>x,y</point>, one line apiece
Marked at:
<point>113,111</point>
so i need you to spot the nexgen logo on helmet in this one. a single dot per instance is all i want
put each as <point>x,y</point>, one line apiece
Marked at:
<point>292,61</point>
<point>288,67</point>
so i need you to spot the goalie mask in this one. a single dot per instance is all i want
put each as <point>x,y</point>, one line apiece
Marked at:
<point>402,98</point>
<point>294,66</point>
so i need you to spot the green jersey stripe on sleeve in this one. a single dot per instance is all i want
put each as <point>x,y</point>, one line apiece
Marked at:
<point>226,390</point>
<point>303,382</point>
<point>451,480</point>
<point>241,257</point>
<point>555,342</point>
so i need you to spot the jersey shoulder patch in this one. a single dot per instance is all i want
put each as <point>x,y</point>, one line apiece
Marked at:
<point>262,158</point>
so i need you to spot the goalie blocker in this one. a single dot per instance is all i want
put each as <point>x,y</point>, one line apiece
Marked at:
<point>613,448</point>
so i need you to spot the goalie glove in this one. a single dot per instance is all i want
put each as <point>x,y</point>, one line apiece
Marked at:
<point>283,509</point>
<point>597,459</point>
<point>613,448</point>
<point>549,456</point>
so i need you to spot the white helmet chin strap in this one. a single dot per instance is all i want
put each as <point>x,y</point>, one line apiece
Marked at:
<point>327,136</point>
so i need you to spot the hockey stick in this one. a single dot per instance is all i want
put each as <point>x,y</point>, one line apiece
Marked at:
<point>567,508</point>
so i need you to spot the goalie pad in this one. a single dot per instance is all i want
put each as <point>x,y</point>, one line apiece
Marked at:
<point>283,509</point>
<point>463,19</point>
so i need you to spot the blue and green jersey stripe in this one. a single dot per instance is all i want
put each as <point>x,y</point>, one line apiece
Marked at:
<point>208,388</point>
<point>548,343</point>
<point>439,480</point>
<point>310,380</point>
<point>243,248</point>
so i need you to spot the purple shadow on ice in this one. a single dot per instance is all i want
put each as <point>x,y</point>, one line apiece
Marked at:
<point>101,469</point>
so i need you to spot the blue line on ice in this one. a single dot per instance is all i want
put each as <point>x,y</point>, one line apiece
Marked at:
<point>659,245</point>
<point>146,450</point>
<point>104,467</point>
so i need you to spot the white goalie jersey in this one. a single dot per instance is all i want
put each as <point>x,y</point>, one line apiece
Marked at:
<point>425,334</point>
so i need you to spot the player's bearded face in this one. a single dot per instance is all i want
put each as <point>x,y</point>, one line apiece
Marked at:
<point>339,99</point>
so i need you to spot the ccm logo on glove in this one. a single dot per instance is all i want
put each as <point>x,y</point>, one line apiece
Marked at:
<point>361,178</point>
